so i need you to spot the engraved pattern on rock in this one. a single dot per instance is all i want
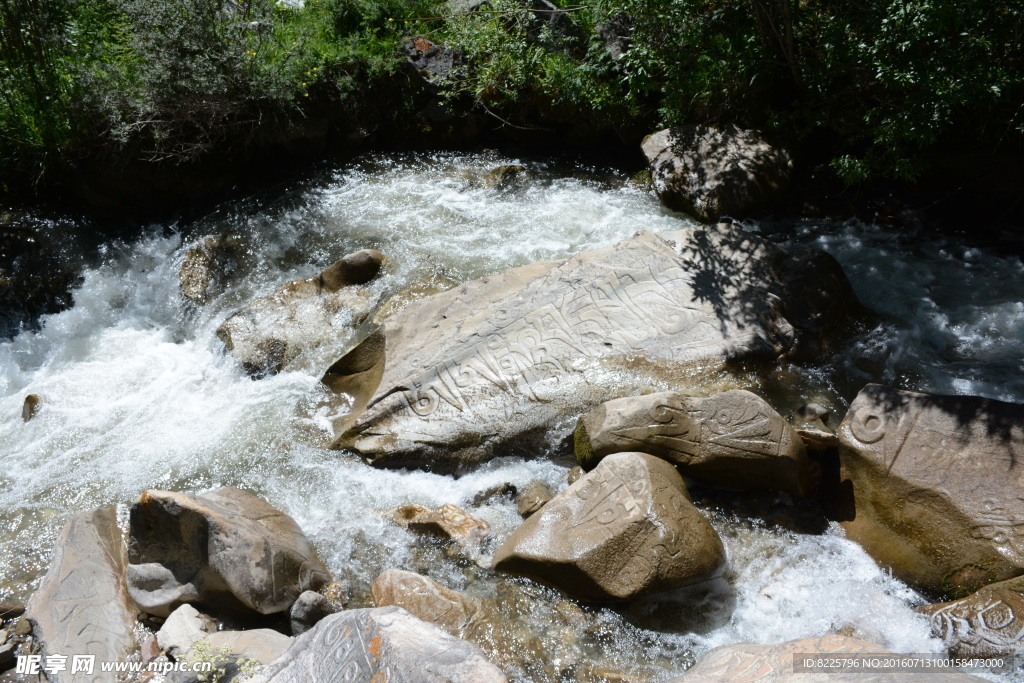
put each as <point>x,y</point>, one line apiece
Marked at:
<point>989,623</point>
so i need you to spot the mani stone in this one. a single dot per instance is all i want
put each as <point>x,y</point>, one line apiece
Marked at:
<point>81,607</point>
<point>715,172</point>
<point>382,644</point>
<point>271,333</point>
<point>756,663</point>
<point>228,549</point>
<point>426,599</point>
<point>733,439</point>
<point>989,623</point>
<point>626,529</point>
<point>936,486</point>
<point>489,366</point>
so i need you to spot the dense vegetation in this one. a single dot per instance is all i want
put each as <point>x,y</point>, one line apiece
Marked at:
<point>876,84</point>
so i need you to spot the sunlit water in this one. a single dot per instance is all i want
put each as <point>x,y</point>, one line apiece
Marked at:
<point>137,392</point>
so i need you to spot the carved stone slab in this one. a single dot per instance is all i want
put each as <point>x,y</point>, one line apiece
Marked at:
<point>733,439</point>
<point>228,548</point>
<point>989,623</point>
<point>478,367</point>
<point>624,530</point>
<point>386,644</point>
<point>81,607</point>
<point>937,486</point>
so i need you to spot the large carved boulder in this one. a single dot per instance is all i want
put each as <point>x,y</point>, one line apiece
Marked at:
<point>273,332</point>
<point>715,172</point>
<point>451,379</point>
<point>81,606</point>
<point>227,548</point>
<point>989,623</point>
<point>382,644</point>
<point>733,439</point>
<point>936,485</point>
<point>626,529</point>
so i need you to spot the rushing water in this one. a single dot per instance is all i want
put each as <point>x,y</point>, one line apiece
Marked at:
<point>137,392</point>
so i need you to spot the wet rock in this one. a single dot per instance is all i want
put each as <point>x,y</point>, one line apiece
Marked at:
<point>22,627</point>
<point>624,530</point>
<point>989,623</point>
<point>451,523</point>
<point>715,172</point>
<point>30,407</point>
<point>378,644</point>
<point>207,266</point>
<point>81,606</point>
<point>935,486</point>
<point>809,423</point>
<point>775,663</point>
<point>505,490</point>
<point>435,284</point>
<point>226,548</point>
<point>309,609</point>
<point>489,365</point>
<point>149,650</point>
<point>574,474</point>
<point>403,514</point>
<point>733,439</point>
<point>273,332</point>
<point>183,627</point>
<point>425,599</point>
<point>9,609</point>
<point>533,498</point>
<point>506,178</point>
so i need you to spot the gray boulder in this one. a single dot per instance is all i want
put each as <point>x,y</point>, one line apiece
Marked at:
<point>715,172</point>
<point>183,627</point>
<point>81,606</point>
<point>226,548</point>
<point>309,609</point>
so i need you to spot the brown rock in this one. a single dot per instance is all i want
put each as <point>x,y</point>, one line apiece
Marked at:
<point>309,608</point>
<point>506,178</point>
<point>357,268</point>
<point>505,490</point>
<point>989,623</point>
<point>624,530</point>
<point>206,267</point>
<point>733,439</point>
<point>425,599</point>
<point>227,548</point>
<point>452,523</point>
<point>30,407</point>
<point>404,514</point>
<point>9,609</point>
<point>533,498</point>
<point>935,486</point>
<point>574,474</point>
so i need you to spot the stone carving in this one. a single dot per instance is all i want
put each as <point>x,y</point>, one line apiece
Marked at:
<point>989,623</point>
<point>81,606</point>
<point>750,663</point>
<point>937,486</point>
<point>278,331</point>
<point>733,439</point>
<point>385,644</point>
<point>227,548</point>
<point>449,379</point>
<point>624,530</point>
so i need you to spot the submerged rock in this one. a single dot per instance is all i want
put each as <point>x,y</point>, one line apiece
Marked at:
<point>206,267</point>
<point>81,607</point>
<point>733,439</point>
<point>936,486</point>
<point>715,172</point>
<point>30,407</point>
<point>226,548</point>
<point>506,178</point>
<point>450,523</point>
<point>989,623</point>
<point>383,644</point>
<point>492,364</point>
<point>624,530</point>
<point>272,332</point>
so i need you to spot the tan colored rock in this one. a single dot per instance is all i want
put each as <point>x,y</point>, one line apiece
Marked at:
<point>30,407</point>
<point>205,267</point>
<point>277,331</point>
<point>382,644</point>
<point>574,474</point>
<point>435,284</point>
<point>733,439</point>
<point>81,606</point>
<point>753,663</point>
<point>506,178</point>
<point>403,514</point>
<point>936,486</point>
<point>624,530</point>
<point>425,599</point>
<point>226,548</point>
<point>494,362</point>
<point>533,498</point>
<point>452,523</point>
<point>263,645</point>
<point>989,623</point>
<point>715,172</point>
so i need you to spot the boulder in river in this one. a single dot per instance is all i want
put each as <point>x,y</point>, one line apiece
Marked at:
<point>489,366</point>
<point>206,267</point>
<point>624,530</point>
<point>732,439</point>
<point>272,332</point>
<point>183,627</point>
<point>308,609</point>
<point>989,623</point>
<point>426,599</point>
<point>714,172</point>
<point>533,498</point>
<point>382,644</point>
<point>226,548</point>
<point>449,522</point>
<point>936,486</point>
<point>81,606</point>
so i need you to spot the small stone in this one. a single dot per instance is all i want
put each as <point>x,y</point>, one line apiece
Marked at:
<point>404,514</point>
<point>30,407</point>
<point>149,650</point>
<point>426,599</point>
<point>310,608</point>
<point>182,629</point>
<point>574,474</point>
<point>506,178</point>
<point>533,498</point>
<point>505,490</point>
<point>452,523</point>
<point>335,592</point>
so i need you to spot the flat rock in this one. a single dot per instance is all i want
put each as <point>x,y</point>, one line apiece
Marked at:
<point>624,530</point>
<point>226,548</point>
<point>989,623</point>
<point>451,523</point>
<point>452,379</point>
<point>732,439</point>
<point>426,599</point>
<point>183,627</point>
<point>936,490</point>
<point>81,606</point>
<point>382,644</point>
<point>263,645</point>
<point>714,172</point>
